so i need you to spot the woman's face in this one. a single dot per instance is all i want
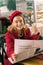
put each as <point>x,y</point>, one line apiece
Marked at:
<point>18,22</point>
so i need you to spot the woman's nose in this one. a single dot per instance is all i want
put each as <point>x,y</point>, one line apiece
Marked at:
<point>19,23</point>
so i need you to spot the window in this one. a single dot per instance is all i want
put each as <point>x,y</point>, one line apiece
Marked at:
<point>3,2</point>
<point>3,25</point>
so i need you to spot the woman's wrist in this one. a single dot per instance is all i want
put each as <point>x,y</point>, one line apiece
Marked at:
<point>37,33</point>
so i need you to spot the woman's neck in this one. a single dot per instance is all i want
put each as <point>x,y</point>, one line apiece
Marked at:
<point>19,31</point>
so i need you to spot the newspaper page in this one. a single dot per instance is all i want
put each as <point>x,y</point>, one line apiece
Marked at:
<point>26,49</point>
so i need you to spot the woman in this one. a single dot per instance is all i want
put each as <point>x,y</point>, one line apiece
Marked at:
<point>17,30</point>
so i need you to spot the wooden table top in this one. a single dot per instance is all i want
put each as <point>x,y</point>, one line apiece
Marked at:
<point>32,61</point>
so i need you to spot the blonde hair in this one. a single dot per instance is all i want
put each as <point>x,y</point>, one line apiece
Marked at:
<point>10,28</point>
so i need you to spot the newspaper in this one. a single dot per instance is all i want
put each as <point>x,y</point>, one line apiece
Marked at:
<point>26,49</point>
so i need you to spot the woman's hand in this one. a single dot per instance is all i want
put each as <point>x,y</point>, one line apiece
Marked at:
<point>14,56</point>
<point>0,63</point>
<point>34,29</point>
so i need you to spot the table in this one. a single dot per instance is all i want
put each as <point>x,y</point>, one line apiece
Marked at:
<point>32,61</point>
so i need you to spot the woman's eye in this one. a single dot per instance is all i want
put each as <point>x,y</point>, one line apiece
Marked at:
<point>20,21</point>
<point>16,21</point>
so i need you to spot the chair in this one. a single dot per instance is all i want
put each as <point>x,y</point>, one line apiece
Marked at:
<point>2,40</point>
<point>4,57</point>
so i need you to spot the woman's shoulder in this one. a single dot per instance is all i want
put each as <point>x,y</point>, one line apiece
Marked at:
<point>9,34</point>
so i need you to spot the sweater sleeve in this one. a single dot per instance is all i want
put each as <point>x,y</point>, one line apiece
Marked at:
<point>28,35</point>
<point>35,36</point>
<point>9,44</point>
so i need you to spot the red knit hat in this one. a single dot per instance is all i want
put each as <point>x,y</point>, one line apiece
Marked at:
<point>14,14</point>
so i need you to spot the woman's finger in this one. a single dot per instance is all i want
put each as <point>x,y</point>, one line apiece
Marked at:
<point>14,56</point>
